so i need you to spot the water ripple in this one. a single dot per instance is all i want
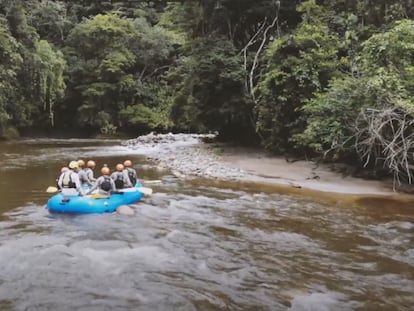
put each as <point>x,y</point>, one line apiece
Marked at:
<point>197,247</point>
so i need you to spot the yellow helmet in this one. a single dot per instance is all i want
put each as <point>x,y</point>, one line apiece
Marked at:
<point>105,170</point>
<point>73,164</point>
<point>127,163</point>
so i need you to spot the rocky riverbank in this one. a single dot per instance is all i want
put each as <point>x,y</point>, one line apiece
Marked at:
<point>187,156</point>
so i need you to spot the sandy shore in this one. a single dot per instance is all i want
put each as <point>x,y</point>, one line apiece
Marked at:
<point>186,156</point>
<point>300,174</point>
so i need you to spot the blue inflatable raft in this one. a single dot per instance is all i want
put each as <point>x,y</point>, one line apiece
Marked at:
<point>75,204</point>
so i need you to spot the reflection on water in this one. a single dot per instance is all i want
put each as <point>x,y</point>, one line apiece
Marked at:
<point>199,247</point>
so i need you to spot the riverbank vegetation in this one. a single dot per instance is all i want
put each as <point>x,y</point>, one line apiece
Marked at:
<point>318,78</point>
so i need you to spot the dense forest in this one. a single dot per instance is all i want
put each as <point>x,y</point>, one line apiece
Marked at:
<point>331,78</point>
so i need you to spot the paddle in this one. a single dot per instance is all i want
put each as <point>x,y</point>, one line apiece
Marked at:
<point>150,182</point>
<point>52,189</point>
<point>144,190</point>
<point>99,196</point>
<point>65,191</point>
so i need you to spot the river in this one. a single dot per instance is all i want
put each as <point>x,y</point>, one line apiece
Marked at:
<point>192,246</point>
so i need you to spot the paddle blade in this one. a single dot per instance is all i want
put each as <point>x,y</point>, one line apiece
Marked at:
<point>145,190</point>
<point>70,191</point>
<point>149,182</point>
<point>51,189</point>
<point>99,196</point>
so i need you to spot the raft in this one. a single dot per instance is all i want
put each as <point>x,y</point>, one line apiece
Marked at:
<point>92,204</point>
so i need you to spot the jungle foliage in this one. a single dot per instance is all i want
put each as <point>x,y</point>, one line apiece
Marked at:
<point>316,77</point>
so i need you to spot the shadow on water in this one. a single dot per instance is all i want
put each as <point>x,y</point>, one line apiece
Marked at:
<point>198,245</point>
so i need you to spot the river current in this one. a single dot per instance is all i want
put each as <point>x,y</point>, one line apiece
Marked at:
<point>192,246</point>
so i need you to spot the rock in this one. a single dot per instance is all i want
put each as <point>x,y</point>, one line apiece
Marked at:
<point>185,154</point>
<point>125,210</point>
<point>178,174</point>
<point>295,185</point>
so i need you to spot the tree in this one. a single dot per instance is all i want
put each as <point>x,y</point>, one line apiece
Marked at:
<point>49,67</point>
<point>373,13</point>
<point>209,88</point>
<point>370,113</point>
<point>32,73</point>
<point>51,22</point>
<point>10,64</point>
<point>100,62</point>
<point>298,65</point>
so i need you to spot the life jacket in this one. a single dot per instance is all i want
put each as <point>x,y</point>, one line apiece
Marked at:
<point>89,173</point>
<point>83,177</point>
<point>67,180</point>
<point>106,184</point>
<point>119,180</point>
<point>132,174</point>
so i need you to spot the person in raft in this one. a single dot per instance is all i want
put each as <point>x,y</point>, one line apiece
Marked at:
<point>62,170</point>
<point>70,179</point>
<point>83,177</point>
<point>121,178</point>
<point>89,170</point>
<point>104,183</point>
<point>131,172</point>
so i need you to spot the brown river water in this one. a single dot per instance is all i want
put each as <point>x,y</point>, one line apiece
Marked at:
<point>193,246</point>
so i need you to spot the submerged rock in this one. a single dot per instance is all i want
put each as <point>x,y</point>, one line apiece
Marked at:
<point>125,210</point>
